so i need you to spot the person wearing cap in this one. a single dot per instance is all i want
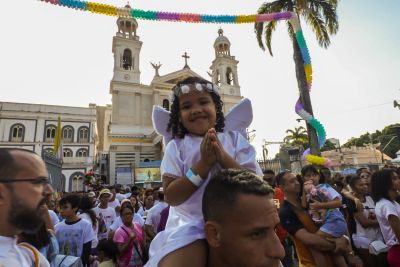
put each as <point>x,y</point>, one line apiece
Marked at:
<point>105,214</point>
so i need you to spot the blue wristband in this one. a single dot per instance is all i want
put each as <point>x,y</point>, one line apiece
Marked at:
<point>195,179</point>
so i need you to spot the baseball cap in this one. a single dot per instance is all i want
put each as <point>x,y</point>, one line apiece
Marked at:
<point>105,191</point>
<point>91,194</point>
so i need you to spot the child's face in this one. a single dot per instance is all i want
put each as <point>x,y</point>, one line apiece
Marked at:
<point>314,177</point>
<point>197,111</point>
<point>66,211</point>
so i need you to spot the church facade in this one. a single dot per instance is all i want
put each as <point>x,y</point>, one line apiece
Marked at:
<point>128,137</point>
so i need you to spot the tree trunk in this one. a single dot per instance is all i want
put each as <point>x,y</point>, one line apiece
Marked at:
<point>305,97</point>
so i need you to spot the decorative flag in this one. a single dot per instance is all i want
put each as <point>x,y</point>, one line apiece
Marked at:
<point>57,149</point>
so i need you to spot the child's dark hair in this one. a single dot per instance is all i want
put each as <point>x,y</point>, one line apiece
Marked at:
<point>73,199</point>
<point>381,183</point>
<point>176,127</point>
<point>109,248</point>
<point>86,206</point>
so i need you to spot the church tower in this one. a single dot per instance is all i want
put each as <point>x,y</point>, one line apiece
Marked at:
<point>224,72</point>
<point>126,49</point>
<point>130,131</point>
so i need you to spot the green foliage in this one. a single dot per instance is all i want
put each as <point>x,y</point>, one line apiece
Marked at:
<point>296,137</point>
<point>379,137</point>
<point>328,146</point>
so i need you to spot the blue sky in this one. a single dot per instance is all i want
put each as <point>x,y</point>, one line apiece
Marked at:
<point>54,55</point>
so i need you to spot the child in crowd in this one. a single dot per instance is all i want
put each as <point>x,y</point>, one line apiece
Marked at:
<point>108,253</point>
<point>203,142</point>
<point>324,203</point>
<point>385,188</point>
<point>74,235</point>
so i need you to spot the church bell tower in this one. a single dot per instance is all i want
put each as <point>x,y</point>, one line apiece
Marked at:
<point>126,49</point>
<point>224,72</point>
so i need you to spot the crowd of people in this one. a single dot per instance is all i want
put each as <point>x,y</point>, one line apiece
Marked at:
<point>216,207</point>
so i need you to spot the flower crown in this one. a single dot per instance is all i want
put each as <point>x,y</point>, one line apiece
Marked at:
<point>177,90</point>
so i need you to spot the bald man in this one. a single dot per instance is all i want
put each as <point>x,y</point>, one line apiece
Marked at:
<point>24,189</point>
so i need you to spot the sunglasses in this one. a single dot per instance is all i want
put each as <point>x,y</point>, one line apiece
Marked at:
<point>42,180</point>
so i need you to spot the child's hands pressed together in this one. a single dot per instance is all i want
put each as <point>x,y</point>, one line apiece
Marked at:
<point>207,152</point>
<point>219,150</point>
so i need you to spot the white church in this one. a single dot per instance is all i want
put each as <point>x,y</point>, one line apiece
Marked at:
<point>118,136</point>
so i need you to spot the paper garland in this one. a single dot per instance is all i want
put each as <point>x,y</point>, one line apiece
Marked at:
<point>167,16</point>
<point>127,12</point>
<point>321,134</point>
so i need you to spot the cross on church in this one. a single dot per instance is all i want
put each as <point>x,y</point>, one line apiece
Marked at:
<point>186,58</point>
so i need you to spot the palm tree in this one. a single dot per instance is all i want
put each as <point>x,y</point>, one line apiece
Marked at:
<point>321,16</point>
<point>297,137</point>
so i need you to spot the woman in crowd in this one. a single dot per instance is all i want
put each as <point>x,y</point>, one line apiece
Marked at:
<point>385,186</point>
<point>148,204</point>
<point>129,239</point>
<point>87,213</point>
<point>366,227</point>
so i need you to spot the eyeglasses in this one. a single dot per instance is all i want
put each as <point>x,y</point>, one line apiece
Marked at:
<point>42,180</point>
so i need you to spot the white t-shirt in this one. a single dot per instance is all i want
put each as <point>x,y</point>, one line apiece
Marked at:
<point>106,218</point>
<point>383,209</point>
<point>115,203</point>
<point>118,221</point>
<point>154,216</point>
<point>86,216</point>
<point>53,216</point>
<point>71,237</point>
<point>12,254</point>
<point>120,197</point>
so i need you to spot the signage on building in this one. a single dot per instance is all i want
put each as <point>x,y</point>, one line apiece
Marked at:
<point>147,175</point>
<point>124,175</point>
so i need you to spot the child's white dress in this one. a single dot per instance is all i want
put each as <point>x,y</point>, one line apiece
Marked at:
<point>185,222</point>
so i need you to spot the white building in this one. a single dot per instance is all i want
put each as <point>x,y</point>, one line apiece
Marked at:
<point>33,127</point>
<point>128,135</point>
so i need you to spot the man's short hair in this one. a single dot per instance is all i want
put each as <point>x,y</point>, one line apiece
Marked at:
<point>309,168</point>
<point>73,199</point>
<point>220,195</point>
<point>279,178</point>
<point>9,167</point>
<point>269,171</point>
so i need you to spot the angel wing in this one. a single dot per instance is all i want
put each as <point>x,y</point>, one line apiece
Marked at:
<point>160,122</point>
<point>237,119</point>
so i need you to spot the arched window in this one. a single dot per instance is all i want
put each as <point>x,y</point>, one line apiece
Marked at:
<point>165,104</point>
<point>50,133</point>
<point>76,182</point>
<point>68,134</point>
<point>229,76</point>
<point>82,153</point>
<point>83,134</point>
<point>67,153</point>
<point>17,133</point>
<point>127,60</point>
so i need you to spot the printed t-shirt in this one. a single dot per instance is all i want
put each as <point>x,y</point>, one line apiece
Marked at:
<point>71,237</point>
<point>106,218</point>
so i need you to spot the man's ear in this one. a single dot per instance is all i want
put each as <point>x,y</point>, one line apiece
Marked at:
<point>212,231</point>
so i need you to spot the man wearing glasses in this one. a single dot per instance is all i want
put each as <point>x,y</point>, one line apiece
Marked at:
<point>24,189</point>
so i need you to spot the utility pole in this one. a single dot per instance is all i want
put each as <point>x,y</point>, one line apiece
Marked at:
<point>305,99</point>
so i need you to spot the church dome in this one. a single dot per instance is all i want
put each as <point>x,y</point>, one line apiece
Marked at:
<point>221,39</point>
<point>222,45</point>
